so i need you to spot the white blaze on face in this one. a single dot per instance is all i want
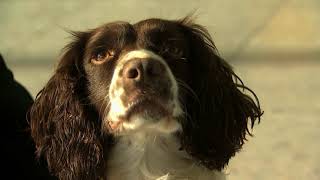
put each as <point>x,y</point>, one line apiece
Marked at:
<point>117,108</point>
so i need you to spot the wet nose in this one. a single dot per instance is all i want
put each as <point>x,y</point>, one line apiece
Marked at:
<point>141,69</point>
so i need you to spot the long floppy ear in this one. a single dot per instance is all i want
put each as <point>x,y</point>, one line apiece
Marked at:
<point>64,125</point>
<point>218,110</point>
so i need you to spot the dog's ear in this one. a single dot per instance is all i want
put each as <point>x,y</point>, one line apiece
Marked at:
<point>218,110</point>
<point>64,125</point>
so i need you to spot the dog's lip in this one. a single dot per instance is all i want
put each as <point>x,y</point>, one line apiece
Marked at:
<point>114,124</point>
<point>134,103</point>
<point>145,104</point>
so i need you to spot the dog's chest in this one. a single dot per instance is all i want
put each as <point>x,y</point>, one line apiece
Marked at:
<point>153,157</point>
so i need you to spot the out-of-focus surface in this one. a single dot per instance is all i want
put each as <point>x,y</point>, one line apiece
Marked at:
<point>274,46</point>
<point>286,144</point>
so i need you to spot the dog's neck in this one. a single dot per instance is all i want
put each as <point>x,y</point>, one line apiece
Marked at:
<point>151,156</point>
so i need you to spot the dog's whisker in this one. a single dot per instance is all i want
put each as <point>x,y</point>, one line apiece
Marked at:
<point>189,90</point>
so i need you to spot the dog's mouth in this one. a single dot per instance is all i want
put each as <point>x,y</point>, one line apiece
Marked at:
<point>149,109</point>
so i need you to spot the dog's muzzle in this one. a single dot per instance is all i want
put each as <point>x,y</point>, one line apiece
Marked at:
<point>143,87</point>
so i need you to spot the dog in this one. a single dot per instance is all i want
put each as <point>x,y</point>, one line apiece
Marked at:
<point>144,101</point>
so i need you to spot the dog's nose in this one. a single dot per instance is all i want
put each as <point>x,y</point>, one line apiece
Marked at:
<point>145,77</point>
<point>141,69</point>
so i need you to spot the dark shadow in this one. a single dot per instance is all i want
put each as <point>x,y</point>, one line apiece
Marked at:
<point>18,151</point>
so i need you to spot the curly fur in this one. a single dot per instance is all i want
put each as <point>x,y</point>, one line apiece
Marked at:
<point>64,125</point>
<point>218,111</point>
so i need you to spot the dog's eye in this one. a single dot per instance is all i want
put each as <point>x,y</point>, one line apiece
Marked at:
<point>173,52</point>
<point>102,57</point>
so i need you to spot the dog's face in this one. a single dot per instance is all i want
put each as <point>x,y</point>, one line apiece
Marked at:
<point>134,69</point>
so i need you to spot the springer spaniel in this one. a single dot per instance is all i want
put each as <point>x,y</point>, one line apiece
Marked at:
<point>144,101</point>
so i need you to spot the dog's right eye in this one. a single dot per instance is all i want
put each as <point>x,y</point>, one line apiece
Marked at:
<point>102,57</point>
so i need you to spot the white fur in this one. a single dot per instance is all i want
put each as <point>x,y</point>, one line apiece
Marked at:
<point>154,156</point>
<point>142,53</point>
<point>117,109</point>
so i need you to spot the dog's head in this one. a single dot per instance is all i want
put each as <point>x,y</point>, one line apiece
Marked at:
<point>156,75</point>
<point>133,75</point>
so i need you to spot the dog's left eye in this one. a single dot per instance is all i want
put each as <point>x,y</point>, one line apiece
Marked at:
<point>102,57</point>
<point>172,51</point>
<point>175,51</point>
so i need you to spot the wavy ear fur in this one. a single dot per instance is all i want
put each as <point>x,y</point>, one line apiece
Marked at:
<point>219,113</point>
<point>64,126</point>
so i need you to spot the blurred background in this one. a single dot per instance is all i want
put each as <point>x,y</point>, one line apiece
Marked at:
<point>273,45</point>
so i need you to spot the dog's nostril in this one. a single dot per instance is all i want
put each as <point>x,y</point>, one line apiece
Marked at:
<point>132,73</point>
<point>133,70</point>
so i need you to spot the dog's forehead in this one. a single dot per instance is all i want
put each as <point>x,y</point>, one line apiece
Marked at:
<point>157,26</point>
<point>114,30</point>
<point>143,34</point>
<point>148,24</point>
<point>141,28</point>
<point>123,37</point>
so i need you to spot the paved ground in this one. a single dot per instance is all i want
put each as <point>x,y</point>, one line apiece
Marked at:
<point>274,46</point>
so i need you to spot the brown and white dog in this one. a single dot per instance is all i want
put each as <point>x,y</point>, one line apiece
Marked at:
<point>151,100</point>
